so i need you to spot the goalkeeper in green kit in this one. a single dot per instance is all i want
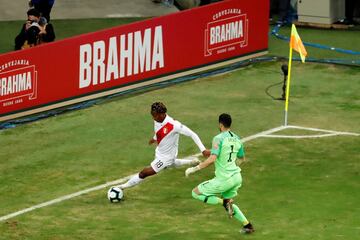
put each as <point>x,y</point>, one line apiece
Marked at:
<point>226,149</point>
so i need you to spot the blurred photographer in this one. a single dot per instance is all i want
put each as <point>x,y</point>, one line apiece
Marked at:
<point>35,30</point>
<point>29,32</point>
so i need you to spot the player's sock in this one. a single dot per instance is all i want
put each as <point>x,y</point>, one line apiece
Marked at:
<point>213,200</point>
<point>180,162</point>
<point>134,180</point>
<point>239,215</point>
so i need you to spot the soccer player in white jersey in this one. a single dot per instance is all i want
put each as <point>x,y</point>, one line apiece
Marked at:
<point>167,131</point>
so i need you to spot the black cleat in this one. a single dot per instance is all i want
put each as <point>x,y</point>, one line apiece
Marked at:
<point>247,229</point>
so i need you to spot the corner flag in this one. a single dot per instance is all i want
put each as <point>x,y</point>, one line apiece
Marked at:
<point>297,45</point>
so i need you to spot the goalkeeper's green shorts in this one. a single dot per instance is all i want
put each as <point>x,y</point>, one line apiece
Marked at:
<point>227,188</point>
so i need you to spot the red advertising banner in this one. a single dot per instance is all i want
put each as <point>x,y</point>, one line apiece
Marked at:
<point>129,56</point>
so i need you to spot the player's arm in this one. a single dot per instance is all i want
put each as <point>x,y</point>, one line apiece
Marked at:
<point>241,156</point>
<point>207,162</point>
<point>210,160</point>
<point>184,130</point>
<point>152,140</point>
<point>241,160</point>
<point>215,151</point>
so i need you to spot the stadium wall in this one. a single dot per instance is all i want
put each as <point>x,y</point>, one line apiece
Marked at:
<point>130,56</point>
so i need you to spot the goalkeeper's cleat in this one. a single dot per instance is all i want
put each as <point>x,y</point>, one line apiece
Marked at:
<point>247,229</point>
<point>227,203</point>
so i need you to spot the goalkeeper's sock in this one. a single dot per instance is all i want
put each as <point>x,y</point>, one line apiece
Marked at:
<point>213,200</point>
<point>134,180</point>
<point>239,215</point>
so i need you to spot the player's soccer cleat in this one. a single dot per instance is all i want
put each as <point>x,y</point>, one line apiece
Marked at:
<point>228,207</point>
<point>194,161</point>
<point>247,229</point>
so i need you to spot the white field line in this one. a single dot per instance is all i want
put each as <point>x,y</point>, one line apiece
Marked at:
<point>302,136</point>
<point>121,180</point>
<point>264,133</point>
<point>324,130</point>
<point>327,133</point>
<point>63,198</point>
<point>108,184</point>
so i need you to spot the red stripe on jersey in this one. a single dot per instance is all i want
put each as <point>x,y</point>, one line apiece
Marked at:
<point>164,131</point>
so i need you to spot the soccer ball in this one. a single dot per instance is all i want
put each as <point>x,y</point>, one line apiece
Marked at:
<point>115,194</point>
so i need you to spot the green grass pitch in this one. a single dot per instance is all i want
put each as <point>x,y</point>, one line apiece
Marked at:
<point>292,189</point>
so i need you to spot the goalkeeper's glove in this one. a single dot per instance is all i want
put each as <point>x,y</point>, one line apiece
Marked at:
<point>191,170</point>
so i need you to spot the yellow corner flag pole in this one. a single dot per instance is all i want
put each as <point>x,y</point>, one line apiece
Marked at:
<point>297,45</point>
<point>288,88</point>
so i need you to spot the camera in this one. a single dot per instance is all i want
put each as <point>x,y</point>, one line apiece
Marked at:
<point>42,21</point>
<point>34,24</point>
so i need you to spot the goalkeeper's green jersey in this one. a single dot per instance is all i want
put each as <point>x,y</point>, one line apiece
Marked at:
<point>227,146</point>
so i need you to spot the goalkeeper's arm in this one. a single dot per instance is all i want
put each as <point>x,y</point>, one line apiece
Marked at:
<point>241,160</point>
<point>202,165</point>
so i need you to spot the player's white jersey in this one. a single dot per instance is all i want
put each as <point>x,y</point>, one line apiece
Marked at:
<point>167,137</point>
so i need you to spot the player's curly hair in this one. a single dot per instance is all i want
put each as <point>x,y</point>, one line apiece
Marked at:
<point>158,107</point>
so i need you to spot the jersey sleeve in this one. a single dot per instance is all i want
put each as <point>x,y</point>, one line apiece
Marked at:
<point>184,130</point>
<point>215,147</point>
<point>241,152</point>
